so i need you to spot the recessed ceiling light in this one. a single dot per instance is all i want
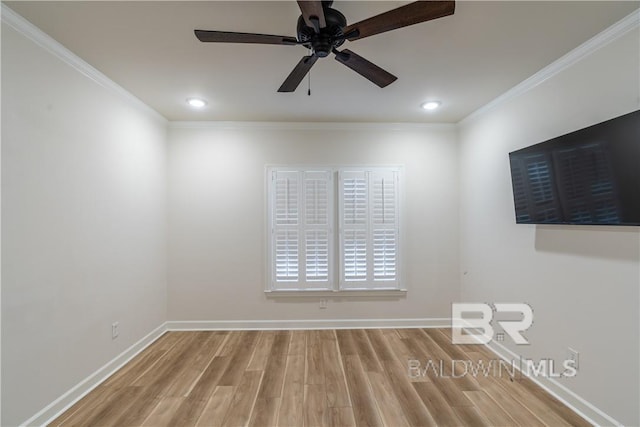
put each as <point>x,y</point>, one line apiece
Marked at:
<point>431,105</point>
<point>196,102</point>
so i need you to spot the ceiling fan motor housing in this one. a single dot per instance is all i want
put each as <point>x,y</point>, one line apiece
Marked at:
<point>328,38</point>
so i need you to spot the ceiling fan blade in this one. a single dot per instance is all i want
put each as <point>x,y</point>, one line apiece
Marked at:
<point>313,9</point>
<point>410,14</point>
<point>365,68</point>
<point>231,37</point>
<point>293,80</point>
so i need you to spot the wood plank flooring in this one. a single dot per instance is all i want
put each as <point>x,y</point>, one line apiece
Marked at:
<point>312,378</point>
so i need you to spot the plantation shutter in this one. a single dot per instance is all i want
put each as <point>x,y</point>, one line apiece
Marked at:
<point>301,219</point>
<point>317,227</point>
<point>369,228</point>
<point>302,211</point>
<point>384,224</point>
<point>354,219</point>
<point>286,241</point>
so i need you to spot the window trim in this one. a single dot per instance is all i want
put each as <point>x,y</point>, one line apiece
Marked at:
<point>335,264</point>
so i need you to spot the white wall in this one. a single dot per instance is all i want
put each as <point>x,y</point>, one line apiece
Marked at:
<point>83,243</point>
<point>83,226</point>
<point>217,218</point>
<point>583,282</point>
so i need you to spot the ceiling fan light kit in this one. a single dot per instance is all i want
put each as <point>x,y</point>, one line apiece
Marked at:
<point>322,29</point>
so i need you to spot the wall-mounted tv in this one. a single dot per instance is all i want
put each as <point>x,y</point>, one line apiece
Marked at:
<point>587,177</point>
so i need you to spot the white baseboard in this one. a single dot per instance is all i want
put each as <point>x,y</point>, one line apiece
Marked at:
<point>230,325</point>
<point>582,407</point>
<point>576,403</point>
<point>572,400</point>
<point>68,399</point>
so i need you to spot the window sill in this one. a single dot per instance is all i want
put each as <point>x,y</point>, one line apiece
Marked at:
<point>337,293</point>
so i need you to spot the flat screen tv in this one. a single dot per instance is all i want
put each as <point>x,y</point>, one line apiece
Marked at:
<point>587,177</point>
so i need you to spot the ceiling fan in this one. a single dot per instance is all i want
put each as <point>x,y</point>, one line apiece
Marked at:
<point>323,29</point>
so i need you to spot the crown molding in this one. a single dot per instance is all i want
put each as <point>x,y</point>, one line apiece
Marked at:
<point>614,32</point>
<point>36,35</point>
<point>324,126</point>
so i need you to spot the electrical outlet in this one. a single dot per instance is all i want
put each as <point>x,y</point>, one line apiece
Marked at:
<point>115,331</point>
<point>323,304</point>
<point>575,356</point>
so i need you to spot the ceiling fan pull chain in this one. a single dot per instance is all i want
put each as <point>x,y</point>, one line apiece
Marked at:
<point>309,76</point>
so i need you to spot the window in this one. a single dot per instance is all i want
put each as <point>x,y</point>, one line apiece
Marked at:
<point>301,206</point>
<point>369,229</point>
<point>304,204</point>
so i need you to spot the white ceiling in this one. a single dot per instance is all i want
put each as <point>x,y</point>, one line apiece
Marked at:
<point>464,60</point>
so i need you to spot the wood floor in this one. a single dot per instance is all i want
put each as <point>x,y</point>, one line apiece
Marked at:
<point>312,378</point>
